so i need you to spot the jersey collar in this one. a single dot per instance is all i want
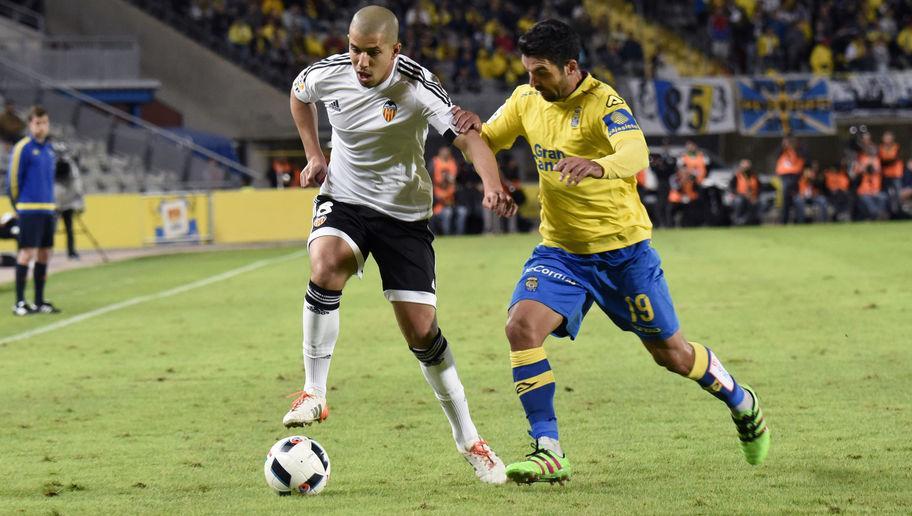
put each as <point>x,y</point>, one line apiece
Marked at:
<point>585,85</point>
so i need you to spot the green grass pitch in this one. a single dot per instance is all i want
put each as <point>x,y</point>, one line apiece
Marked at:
<point>168,406</point>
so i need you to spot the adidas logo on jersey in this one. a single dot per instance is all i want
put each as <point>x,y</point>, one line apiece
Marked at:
<point>333,105</point>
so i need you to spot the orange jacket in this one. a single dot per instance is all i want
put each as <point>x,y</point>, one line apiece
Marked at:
<point>806,188</point>
<point>696,165</point>
<point>870,184</point>
<point>789,162</point>
<point>444,183</point>
<point>747,186</point>
<point>890,163</point>
<point>836,180</point>
<point>684,186</point>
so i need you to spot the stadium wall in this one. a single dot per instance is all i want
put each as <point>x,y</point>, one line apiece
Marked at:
<point>212,94</point>
<point>123,221</point>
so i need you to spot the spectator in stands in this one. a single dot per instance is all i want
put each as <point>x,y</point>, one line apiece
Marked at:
<point>465,73</point>
<point>904,45</point>
<point>11,126</point>
<point>837,183</point>
<point>822,58</point>
<point>789,166</point>
<point>746,187</point>
<point>742,35</point>
<point>795,46</point>
<point>69,194</point>
<point>891,165</point>
<point>768,51</point>
<point>812,195</point>
<point>240,35</point>
<point>880,54</point>
<point>631,53</point>
<point>444,170</point>
<point>720,33</point>
<point>858,56</point>
<point>872,203</point>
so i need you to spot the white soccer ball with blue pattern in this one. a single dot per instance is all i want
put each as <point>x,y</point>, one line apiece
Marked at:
<point>297,464</point>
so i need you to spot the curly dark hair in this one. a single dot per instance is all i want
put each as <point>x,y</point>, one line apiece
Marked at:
<point>551,39</point>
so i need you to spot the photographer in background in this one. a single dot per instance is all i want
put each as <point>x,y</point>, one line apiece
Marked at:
<point>866,174</point>
<point>69,194</point>
<point>746,186</point>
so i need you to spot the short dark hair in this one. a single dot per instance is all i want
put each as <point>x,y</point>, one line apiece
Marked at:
<point>36,112</point>
<point>553,40</point>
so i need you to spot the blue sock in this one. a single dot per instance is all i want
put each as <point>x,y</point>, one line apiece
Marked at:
<point>534,384</point>
<point>712,376</point>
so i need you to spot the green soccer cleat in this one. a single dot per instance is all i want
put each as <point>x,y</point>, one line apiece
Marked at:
<point>753,431</point>
<point>540,466</point>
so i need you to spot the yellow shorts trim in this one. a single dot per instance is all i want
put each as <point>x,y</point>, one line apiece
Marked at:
<point>36,206</point>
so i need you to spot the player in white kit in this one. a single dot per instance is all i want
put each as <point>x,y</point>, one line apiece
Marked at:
<point>376,197</point>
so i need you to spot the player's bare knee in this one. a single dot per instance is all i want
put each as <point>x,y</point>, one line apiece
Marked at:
<point>25,256</point>
<point>674,354</point>
<point>522,333</point>
<point>671,361</point>
<point>328,272</point>
<point>420,337</point>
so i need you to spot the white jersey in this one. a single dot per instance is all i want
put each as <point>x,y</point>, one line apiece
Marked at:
<point>378,133</point>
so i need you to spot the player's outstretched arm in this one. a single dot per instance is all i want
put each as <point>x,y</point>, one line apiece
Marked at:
<point>305,119</point>
<point>476,150</point>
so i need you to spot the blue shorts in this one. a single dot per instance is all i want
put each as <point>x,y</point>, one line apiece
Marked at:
<point>627,284</point>
<point>36,229</point>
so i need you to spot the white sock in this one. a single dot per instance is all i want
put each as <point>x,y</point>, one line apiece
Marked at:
<point>746,404</point>
<point>551,445</point>
<point>321,330</point>
<point>444,379</point>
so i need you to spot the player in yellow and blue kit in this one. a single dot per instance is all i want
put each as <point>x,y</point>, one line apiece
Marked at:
<point>595,249</point>
<point>30,184</point>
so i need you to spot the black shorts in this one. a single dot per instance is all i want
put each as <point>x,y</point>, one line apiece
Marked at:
<point>36,229</point>
<point>402,249</point>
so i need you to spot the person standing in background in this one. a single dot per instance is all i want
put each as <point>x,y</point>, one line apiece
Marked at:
<point>891,166</point>
<point>69,195</point>
<point>789,167</point>
<point>444,170</point>
<point>30,183</point>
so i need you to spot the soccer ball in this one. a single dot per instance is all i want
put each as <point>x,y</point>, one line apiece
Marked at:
<point>297,464</point>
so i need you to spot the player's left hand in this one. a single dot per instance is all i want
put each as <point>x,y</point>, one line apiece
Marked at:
<point>464,120</point>
<point>499,201</point>
<point>573,170</point>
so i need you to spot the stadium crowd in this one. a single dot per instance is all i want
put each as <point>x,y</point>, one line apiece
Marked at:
<point>468,44</point>
<point>819,36</point>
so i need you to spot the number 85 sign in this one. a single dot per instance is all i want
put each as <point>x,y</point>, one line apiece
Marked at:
<point>684,106</point>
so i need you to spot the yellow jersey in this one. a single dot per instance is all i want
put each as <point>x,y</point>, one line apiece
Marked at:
<point>596,215</point>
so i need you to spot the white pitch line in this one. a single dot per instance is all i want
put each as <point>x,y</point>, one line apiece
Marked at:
<point>151,297</point>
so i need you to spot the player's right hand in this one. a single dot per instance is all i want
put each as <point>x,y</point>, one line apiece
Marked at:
<point>499,201</point>
<point>464,121</point>
<point>314,173</point>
